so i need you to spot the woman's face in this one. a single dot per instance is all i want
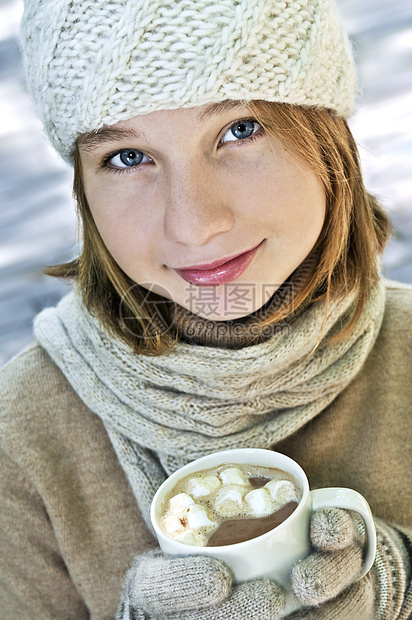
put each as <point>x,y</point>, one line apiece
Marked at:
<point>201,206</point>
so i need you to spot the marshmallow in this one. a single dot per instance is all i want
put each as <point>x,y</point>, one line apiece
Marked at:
<point>282,492</point>
<point>234,475</point>
<point>259,502</point>
<point>200,487</point>
<point>229,500</point>
<point>179,502</point>
<point>188,521</point>
<point>197,518</point>
<point>174,525</point>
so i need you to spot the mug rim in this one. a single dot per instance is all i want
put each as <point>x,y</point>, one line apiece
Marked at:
<point>175,476</point>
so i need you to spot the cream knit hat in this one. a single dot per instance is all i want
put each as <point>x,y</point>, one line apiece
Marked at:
<point>96,62</point>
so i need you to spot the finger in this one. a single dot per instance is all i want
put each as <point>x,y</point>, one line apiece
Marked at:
<point>332,529</point>
<point>322,576</point>
<point>161,584</point>
<point>355,602</point>
<point>261,599</point>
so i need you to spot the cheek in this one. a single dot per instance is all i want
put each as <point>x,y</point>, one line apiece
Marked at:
<point>251,190</point>
<point>307,206</point>
<point>123,217</point>
<point>298,203</point>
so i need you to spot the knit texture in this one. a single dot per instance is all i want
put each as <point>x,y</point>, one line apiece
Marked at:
<point>355,603</point>
<point>162,585</point>
<point>332,529</point>
<point>194,588</point>
<point>391,568</point>
<point>322,576</point>
<point>325,582</point>
<point>197,400</point>
<point>91,63</point>
<point>339,537</point>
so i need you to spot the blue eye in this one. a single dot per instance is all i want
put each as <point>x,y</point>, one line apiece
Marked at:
<point>127,158</point>
<point>241,130</point>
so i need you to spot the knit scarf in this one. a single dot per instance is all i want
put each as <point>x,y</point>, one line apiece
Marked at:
<point>162,412</point>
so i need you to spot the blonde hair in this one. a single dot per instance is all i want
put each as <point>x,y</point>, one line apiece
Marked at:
<point>354,234</point>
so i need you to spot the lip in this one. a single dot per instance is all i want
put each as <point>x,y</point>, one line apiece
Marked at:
<point>220,271</point>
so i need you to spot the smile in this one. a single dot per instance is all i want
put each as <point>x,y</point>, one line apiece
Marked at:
<point>220,271</point>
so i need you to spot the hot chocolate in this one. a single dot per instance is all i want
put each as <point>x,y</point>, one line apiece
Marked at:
<point>228,504</point>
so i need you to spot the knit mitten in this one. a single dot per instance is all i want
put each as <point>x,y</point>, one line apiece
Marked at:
<point>194,588</point>
<point>326,581</point>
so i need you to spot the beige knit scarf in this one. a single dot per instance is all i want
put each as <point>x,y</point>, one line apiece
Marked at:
<point>161,412</point>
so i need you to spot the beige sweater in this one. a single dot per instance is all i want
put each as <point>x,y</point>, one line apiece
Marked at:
<point>68,520</point>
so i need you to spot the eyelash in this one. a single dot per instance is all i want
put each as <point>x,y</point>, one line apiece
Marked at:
<point>105,164</point>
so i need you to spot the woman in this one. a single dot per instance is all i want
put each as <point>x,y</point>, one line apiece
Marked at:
<point>227,294</point>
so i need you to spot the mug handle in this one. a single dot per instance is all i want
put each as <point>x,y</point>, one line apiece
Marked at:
<point>337,497</point>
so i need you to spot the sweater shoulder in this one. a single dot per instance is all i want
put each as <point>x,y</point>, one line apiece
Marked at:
<point>398,308</point>
<point>31,376</point>
<point>398,289</point>
<point>34,396</point>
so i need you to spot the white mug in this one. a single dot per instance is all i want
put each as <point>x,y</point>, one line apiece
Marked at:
<point>273,554</point>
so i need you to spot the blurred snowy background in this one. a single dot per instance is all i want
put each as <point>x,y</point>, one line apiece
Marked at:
<point>37,221</point>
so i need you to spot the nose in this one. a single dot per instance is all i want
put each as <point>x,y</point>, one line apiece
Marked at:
<point>196,206</point>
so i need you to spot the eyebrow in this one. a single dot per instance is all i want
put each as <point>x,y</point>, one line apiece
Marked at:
<point>92,140</point>
<point>215,109</point>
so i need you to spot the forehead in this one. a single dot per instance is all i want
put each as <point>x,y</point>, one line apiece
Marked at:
<point>123,130</point>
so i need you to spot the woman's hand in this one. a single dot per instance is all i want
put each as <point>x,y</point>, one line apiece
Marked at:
<point>194,588</point>
<point>326,581</point>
